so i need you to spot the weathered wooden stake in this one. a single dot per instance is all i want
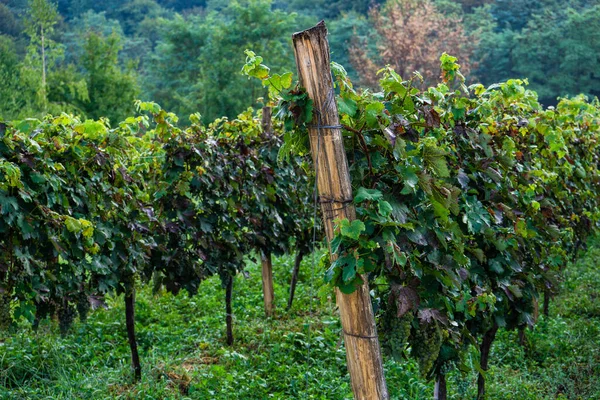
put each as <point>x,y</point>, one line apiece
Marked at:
<point>5,318</point>
<point>265,256</point>
<point>363,354</point>
<point>267,282</point>
<point>267,126</point>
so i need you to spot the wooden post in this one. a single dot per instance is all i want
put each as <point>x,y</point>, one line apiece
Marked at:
<point>363,354</point>
<point>5,318</point>
<point>267,126</point>
<point>265,256</point>
<point>267,282</point>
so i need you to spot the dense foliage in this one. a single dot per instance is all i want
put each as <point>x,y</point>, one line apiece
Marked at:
<point>87,208</point>
<point>68,200</point>
<point>470,202</point>
<point>59,55</point>
<point>470,205</point>
<point>222,195</point>
<point>181,345</point>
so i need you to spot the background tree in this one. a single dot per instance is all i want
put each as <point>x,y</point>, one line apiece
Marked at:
<point>132,14</point>
<point>343,35</point>
<point>412,34</point>
<point>184,52</point>
<point>559,52</point>
<point>327,9</point>
<point>495,47</point>
<point>9,80</point>
<point>8,22</point>
<point>42,51</point>
<point>194,65</point>
<point>112,91</point>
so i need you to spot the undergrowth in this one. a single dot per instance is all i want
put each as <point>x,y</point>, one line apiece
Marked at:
<point>296,354</point>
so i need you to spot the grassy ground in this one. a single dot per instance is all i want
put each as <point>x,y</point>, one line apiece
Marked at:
<point>292,355</point>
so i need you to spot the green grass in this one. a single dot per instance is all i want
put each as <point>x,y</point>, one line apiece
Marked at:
<point>297,354</point>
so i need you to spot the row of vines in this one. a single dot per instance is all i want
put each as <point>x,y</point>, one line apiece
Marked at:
<point>470,202</point>
<point>89,210</point>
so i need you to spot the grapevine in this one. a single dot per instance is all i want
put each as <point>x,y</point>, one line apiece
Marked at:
<point>395,333</point>
<point>426,342</point>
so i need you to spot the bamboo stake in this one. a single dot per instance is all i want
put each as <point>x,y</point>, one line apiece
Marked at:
<point>267,282</point>
<point>265,256</point>
<point>363,354</point>
<point>267,125</point>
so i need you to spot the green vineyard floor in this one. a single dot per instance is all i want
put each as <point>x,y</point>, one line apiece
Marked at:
<point>184,356</point>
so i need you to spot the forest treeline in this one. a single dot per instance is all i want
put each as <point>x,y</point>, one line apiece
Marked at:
<point>94,58</point>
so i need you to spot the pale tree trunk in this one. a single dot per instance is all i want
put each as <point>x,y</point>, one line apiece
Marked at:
<point>439,391</point>
<point>43,68</point>
<point>363,354</point>
<point>267,282</point>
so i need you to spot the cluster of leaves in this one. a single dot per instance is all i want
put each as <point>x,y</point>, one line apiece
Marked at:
<point>404,28</point>
<point>293,106</point>
<point>68,203</point>
<point>469,200</point>
<point>469,203</point>
<point>224,194</point>
<point>86,208</point>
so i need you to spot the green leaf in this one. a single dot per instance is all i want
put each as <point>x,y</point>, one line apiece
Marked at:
<point>384,208</point>
<point>349,270</point>
<point>476,216</point>
<point>372,111</point>
<point>440,211</point>
<point>253,66</point>
<point>400,257</point>
<point>91,129</point>
<point>87,228</point>
<point>363,194</point>
<point>435,158</point>
<point>521,228</point>
<point>347,106</point>
<point>347,289</point>
<point>335,243</point>
<point>352,229</point>
<point>410,178</point>
<point>73,225</point>
<point>12,173</point>
<point>286,80</point>
<point>496,266</point>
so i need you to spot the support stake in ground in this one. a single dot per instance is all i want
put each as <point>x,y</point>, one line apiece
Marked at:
<point>363,354</point>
